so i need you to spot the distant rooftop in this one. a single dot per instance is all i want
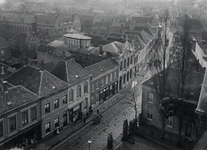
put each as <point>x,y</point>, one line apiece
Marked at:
<point>77,36</point>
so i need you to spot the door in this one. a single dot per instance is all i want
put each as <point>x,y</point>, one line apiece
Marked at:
<point>65,118</point>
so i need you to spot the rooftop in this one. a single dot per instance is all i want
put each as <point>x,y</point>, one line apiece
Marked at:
<point>77,36</point>
<point>3,43</point>
<point>70,72</point>
<point>16,96</point>
<point>102,67</point>
<point>35,80</point>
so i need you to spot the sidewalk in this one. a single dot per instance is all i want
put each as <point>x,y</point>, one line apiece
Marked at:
<point>53,140</point>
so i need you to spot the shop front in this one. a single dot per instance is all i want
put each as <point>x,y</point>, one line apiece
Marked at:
<point>108,92</point>
<point>75,113</point>
<point>25,138</point>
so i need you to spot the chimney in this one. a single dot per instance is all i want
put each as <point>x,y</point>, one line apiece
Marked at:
<point>2,70</point>
<point>4,86</point>
<point>41,65</point>
<point>101,49</point>
<point>64,55</point>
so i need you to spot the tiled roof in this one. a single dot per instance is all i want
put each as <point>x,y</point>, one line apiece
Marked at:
<point>37,81</point>
<point>137,33</point>
<point>84,18</point>
<point>46,19</point>
<point>55,50</point>
<point>197,24</point>
<point>102,67</point>
<point>202,103</point>
<point>5,70</point>
<point>48,33</point>
<point>146,29</point>
<point>3,43</point>
<point>16,96</point>
<point>25,37</point>
<point>113,47</point>
<point>70,71</point>
<point>47,66</point>
<point>143,19</point>
<point>19,17</point>
<point>105,24</point>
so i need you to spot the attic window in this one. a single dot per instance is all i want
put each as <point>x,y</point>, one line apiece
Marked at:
<point>9,103</point>
<point>53,87</point>
<point>76,76</point>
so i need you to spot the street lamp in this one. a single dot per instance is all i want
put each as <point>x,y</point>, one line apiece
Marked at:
<point>89,144</point>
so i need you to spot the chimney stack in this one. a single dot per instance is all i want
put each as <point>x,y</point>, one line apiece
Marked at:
<point>41,65</point>
<point>2,70</point>
<point>4,86</point>
<point>101,49</point>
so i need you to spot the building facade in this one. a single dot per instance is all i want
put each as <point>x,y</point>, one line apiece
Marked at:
<point>104,82</point>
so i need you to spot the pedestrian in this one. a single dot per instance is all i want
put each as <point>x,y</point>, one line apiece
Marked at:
<point>84,119</point>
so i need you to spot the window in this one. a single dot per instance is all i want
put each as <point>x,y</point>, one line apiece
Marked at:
<point>150,97</point>
<point>93,100</point>
<point>47,127</point>
<point>79,91</point>
<point>121,65</point>
<point>127,76</point>
<point>128,61</point>
<point>124,63</point>
<point>115,75</point>
<point>2,52</point>
<point>12,124</point>
<point>56,103</point>
<point>188,130</point>
<point>97,85</point>
<point>85,104</point>
<point>65,99</point>
<point>130,73</point>
<point>111,77</point>
<point>71,95</point>
<point>86,87</point>
<point>56,122</point>
<point>92,87</point>
<point>170,121</point>
<point>131,60</point>
<point>47,108</point>
<point>24,117</point>
<point>106,79</point>
<point>1,129</point>
<point>102,81</point>
<point>149,113</point>
<point>33,113</point>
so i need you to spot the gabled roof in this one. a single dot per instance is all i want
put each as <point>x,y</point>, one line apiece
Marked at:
<point>142,19</point>
<point>86,17</point>
<point>113,47</point>
<point>19,17</point>
<point>50,32</point>
<point>40,82</point>
<point>3,43</point>
<point>14,97</point>
<point>25,37</point>
<point>56,49</point>
<point>101,24</point>
<point>70,72</point>
<point>102,67</point>
<point>46,19</point>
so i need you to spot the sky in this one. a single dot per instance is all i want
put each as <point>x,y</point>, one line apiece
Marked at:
<point>2,1</point>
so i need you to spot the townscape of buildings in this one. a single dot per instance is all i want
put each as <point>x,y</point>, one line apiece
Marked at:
<point>56,65</point>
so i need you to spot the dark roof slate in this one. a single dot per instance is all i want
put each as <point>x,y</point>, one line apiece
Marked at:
<point>37,81</point>
<point>102,67</point>
<point>70,71</point>
<point>17,95</point>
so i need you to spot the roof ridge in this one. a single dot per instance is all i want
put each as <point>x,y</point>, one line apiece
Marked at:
<point>66,69</point>
<point>26,89</point>
<point>40,85</point>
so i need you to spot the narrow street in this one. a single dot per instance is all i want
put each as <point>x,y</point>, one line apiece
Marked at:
<point>112,122</point>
